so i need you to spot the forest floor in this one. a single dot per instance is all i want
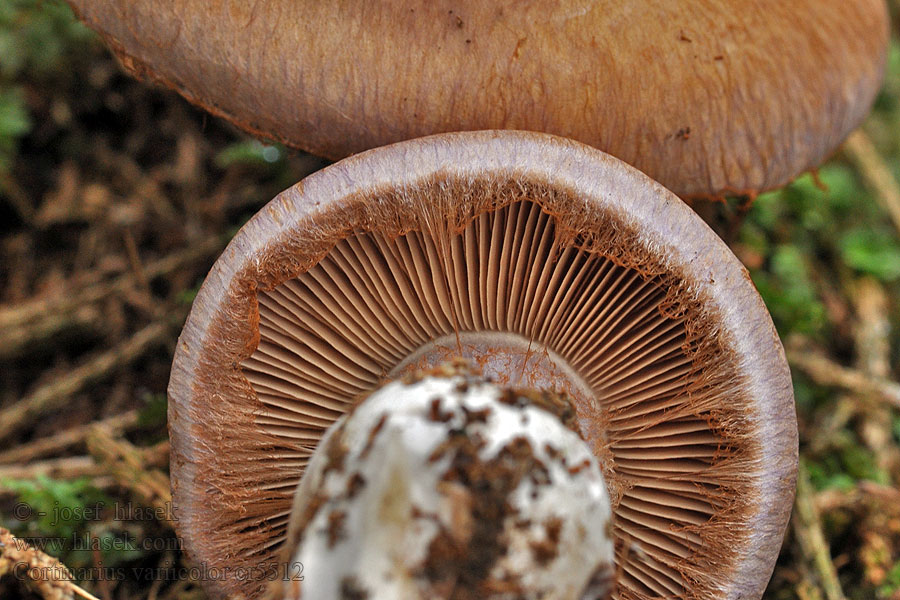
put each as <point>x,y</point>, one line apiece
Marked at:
<point>116,197</point>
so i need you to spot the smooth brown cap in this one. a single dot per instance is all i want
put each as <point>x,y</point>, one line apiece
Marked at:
<point>544,256</point>
<point>708,98</point>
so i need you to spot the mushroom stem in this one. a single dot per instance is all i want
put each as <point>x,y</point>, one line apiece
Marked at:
<point>445,485</point>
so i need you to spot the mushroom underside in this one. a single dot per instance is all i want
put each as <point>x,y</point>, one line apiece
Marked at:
<point>567,291</point>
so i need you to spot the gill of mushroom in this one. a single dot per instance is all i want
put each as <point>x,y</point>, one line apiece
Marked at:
<point>549,265</point>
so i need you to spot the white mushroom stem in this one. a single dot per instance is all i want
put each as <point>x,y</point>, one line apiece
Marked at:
<point>452,487</point>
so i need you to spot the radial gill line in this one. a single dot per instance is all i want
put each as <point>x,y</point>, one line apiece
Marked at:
<point>334,332</point>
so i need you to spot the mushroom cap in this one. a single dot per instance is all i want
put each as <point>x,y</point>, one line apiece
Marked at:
<point>573,267</point>
<point>708,98</point>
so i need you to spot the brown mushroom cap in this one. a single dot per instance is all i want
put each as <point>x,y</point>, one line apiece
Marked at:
<point>707,97</point>
<point>553,262</point>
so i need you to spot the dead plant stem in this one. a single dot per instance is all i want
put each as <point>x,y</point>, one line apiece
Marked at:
<point>808,528</point>
<point>53,394</point>
<point>876,174</point>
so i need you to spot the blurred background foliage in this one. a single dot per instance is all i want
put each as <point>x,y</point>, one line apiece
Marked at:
<point>96,168</point>
<point>39,41</point>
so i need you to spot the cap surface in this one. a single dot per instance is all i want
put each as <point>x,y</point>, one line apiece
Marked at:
<point>708,97</point>
<point>539,258</point>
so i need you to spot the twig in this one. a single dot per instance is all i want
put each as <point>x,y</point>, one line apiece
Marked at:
<point>829,424</point>
<point>871,336</point>
<point>40,572</point>
<point>806,590</point>
<point>808,528</point>
<point>125,463</point>
<point>64,439</point>
<point>69,467</point>
<point>873,328</point>
<point>166,560</point>
<point>825,371</point>
<point>834,499</point>
<point>134,258</point>
<point>54,394</point>
<point>146,189</point>
<point>27,322</point>
<point>18,338</point>
<point>102,582</point>
<point>34,309</point>
<point>876,174</point>
<point>18,199</point>
<point>158,454</point>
